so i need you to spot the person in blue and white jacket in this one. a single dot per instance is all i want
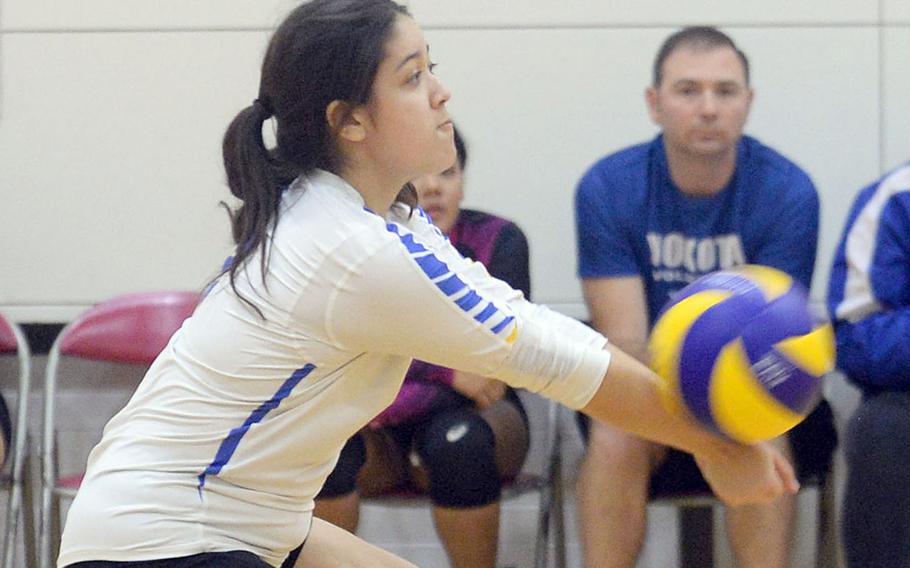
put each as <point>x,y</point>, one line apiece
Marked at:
<point>869,300</point>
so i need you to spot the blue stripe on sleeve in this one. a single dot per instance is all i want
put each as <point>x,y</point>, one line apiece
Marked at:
<point>502,325</point>
<point>432,266</point>
<point>451,285</point>
<point>410,244</point>
<point>468,301</point>
<point>486,313</point>
<point>439,273</point>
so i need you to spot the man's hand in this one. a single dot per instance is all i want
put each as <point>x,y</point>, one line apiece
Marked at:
<point>483,391</point>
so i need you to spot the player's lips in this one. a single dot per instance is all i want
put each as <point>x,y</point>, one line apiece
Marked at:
<point>447,125</point>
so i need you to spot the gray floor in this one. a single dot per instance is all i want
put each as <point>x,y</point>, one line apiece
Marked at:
<point>408,531</point>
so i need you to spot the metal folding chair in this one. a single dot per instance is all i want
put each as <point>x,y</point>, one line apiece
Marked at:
<point>17,476</point>
<point>130,330</point>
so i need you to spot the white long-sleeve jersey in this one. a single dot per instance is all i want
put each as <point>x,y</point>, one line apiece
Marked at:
<point>237,424</point>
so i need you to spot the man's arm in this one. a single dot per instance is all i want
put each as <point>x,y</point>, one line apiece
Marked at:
<point>876,350</point>
<point>619,312</point>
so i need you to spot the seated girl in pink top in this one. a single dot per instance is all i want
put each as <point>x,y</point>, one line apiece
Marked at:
<point>453,435</point>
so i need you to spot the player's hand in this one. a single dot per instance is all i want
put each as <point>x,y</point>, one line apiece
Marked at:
<point>482,390</point>
<point>747,475</point>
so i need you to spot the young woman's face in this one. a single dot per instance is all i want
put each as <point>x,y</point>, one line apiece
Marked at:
<point>409,132</point>
<point>440,196</point>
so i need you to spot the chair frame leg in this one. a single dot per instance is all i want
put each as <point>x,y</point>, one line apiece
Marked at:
<point>48,537</point>
<point>696,536</point>
<point>559,513</point>
<point>551,513</point>
<point>20,505</point>
<point>12,521</point>
<point>542,546</point>
<point>827,543</point>
<point>29,517</point>
<point>28,514</point>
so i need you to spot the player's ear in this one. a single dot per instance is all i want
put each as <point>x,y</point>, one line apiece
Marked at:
<point>346,121</point>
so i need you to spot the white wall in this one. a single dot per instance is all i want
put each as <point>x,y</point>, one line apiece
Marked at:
<point>112,112</point>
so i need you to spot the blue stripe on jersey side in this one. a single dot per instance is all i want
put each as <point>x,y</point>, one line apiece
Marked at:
<point>230,443</point>
<point>502,325</point>
<point>486,313</point>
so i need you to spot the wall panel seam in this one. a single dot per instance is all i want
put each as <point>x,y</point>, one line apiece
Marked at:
<point>21,30</point>
<point>882,100</point>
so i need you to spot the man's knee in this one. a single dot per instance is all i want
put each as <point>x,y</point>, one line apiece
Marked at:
<point>607,444</point>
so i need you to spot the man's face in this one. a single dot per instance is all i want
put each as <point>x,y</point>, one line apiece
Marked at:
<point>702,102</point>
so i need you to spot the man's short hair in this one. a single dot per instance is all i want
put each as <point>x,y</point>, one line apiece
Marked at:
<point>696,37</point>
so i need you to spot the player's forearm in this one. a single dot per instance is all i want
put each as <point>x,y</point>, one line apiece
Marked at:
<point>636,347</point>
<point>630,398</point>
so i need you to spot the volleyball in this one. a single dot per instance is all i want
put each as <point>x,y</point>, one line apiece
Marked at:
<point>740,351</point>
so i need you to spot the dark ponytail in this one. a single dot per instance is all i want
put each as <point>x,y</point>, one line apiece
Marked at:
<point>325,50</point>
<point>252,177</point>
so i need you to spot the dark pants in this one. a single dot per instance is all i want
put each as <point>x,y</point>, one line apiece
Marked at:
<point>876,513</point>
<point>234,559</point>
<point>237,559</point>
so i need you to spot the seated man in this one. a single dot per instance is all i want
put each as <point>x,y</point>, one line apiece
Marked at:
<point>451,434</point>
<point>654,217</point>
<point>869,300</point>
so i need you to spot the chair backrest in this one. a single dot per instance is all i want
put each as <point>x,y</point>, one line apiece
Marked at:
<point>127,329</point>
<point>13,342</point>
<point>9,343</point>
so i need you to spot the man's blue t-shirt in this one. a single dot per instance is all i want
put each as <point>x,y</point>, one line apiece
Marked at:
<point>632,220</point>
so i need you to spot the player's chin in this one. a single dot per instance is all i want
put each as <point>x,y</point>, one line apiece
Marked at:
<point>444,156</point>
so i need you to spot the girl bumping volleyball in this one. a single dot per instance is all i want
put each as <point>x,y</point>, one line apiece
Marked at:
<point>338,281</point>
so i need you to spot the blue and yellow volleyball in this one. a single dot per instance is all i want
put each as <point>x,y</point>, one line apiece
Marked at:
<point>740,351</point>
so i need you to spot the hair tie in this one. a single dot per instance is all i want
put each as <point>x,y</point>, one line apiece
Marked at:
<point>264,107</point>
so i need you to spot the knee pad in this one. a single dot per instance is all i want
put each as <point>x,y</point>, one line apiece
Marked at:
<point>343,479</point>
<point>457,448</point>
